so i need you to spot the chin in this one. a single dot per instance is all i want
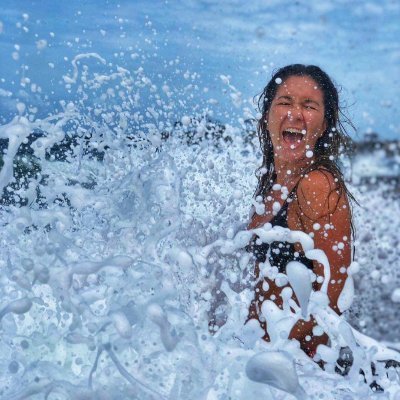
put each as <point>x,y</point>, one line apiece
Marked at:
<point>292,155</point>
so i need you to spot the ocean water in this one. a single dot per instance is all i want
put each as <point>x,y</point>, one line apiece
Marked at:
<point>123,220</point>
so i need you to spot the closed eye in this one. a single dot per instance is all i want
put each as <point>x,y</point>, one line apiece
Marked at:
<point>284,101</point>
<point>310,104</point>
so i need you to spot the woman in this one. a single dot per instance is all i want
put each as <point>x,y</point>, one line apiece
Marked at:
<point>301,187</point>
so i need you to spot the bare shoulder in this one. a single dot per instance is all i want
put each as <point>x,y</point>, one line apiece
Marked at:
<point>319,194</point>
<point>318,181</point>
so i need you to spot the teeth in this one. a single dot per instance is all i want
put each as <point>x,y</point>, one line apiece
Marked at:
<point>293,130</point>
<point>292,135</point>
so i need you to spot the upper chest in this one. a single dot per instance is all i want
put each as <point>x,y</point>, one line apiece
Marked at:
<point>278,206</point>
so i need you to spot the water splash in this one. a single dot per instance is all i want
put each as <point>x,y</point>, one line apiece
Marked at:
<point>126,238</point>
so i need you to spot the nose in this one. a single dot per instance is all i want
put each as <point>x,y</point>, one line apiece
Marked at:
<point>295,114</point>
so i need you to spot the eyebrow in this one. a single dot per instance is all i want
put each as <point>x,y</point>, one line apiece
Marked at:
<point>311,101</point>
<point>284,97</point>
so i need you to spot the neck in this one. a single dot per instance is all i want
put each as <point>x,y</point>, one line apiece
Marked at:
<point>289,179</point>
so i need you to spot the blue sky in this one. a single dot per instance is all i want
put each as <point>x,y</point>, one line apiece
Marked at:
<point>356,42</point>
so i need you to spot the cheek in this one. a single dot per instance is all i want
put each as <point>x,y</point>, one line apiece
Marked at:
<point>274,136</point>
<point>276,116</point>
<point>316,124</point>
<point>311,119</point>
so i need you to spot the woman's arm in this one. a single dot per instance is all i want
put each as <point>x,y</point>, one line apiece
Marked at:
<point>322,210</point>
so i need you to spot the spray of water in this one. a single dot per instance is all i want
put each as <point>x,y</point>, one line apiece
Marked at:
<point>122,237</point>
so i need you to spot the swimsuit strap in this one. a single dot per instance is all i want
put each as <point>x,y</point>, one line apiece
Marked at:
<point>285,204</point>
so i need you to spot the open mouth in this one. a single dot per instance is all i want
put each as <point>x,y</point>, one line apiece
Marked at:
<point>293,136</point>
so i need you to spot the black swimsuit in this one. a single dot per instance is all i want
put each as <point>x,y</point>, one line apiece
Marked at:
<point>279,255</point>
<point>281,252</point>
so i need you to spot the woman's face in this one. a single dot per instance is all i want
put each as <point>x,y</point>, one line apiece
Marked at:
<point>296,118</point>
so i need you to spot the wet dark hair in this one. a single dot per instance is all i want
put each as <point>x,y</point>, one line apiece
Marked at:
<point>333,142</point>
